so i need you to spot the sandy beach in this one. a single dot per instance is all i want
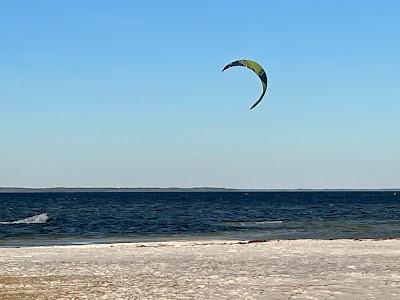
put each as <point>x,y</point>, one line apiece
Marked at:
<point>299,269</point>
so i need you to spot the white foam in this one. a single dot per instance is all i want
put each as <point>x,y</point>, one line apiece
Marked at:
<point>270,222</point>
<point>255,223</point>
<point>36,219</point>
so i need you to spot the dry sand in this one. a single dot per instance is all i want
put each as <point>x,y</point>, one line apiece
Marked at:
<point>301,269</point>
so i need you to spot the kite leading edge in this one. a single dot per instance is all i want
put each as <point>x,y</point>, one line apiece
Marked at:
<point>256,68</point>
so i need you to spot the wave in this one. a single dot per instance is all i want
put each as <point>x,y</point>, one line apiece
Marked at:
<point>254,223</point>
<point>269,222</point>
<point>36,219</point>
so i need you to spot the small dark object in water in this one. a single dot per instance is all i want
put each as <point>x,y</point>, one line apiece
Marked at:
<point>256,241</point>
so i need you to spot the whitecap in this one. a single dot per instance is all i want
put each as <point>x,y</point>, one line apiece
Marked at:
<point>270,222</point>
<point>36,219</point>
<point>264,223</point>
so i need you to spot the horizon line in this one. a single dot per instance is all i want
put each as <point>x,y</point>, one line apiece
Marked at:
<point>195,188</point>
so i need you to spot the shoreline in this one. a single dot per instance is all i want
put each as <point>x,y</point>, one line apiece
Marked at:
<point>71,190</point>
<point>184,241</point>
<point>206,269</point>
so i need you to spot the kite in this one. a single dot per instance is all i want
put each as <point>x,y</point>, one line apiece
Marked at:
<point>256,68</point>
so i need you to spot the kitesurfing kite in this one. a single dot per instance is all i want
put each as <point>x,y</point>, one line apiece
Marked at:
<point>256,68</point>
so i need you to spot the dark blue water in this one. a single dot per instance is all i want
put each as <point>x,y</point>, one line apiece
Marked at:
<point>120,217</point>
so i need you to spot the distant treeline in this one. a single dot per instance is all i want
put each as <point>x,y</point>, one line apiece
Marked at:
<point>110,190</point>
<point>172,189</point>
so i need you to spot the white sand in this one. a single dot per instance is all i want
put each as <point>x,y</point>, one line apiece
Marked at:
<point>302,269</point>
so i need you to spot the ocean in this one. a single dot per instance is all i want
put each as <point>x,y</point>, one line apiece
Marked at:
<point>32,219</point>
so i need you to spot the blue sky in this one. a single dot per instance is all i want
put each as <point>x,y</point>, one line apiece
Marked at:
<point>130,93</point>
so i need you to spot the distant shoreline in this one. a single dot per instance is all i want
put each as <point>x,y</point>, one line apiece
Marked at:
<point>174,190</point>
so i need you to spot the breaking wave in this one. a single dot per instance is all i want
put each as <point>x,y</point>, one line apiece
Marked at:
<point>36,219</point>
<point>254,223</point>
<point>269,222</point>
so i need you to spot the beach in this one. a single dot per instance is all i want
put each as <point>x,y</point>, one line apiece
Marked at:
<point>282,269</point>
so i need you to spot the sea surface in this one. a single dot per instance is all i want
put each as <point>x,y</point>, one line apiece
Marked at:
<point>29,219</point>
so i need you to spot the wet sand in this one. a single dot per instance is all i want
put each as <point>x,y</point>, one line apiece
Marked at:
<point>301,269</point>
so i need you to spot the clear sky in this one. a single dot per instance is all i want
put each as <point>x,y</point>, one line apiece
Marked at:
<point>130,93</point>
